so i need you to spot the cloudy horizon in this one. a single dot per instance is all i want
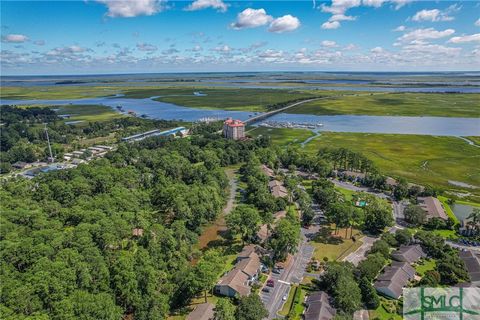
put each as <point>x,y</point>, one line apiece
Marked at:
<point>154,36</point>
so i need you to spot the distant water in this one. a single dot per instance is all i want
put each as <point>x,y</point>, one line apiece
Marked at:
<point>438,126</point>
<point>465,82</point>
<point>441,126</point>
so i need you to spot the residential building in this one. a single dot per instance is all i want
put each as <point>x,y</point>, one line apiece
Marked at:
<point>394,278</point>
<point>203,311</point>
<point>277,189</point>
<point>472,263</point>
<point>269,172</point>
<point>409,254</point>
<point>351,175</point>
<point>433,207</point>
<point>234,129</point>
<point>264,233</point>
<point>238,280</point>
<point>234,283</point>
<point>318,307</point>
<point>21,165</point>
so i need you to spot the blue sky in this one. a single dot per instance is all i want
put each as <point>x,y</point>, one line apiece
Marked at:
<point>121,36</point>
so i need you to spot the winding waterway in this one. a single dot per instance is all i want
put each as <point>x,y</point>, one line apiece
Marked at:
<point>441,126</point>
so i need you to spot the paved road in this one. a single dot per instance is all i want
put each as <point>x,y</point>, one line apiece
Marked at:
<point>266,115</point>
<point>292,274</point>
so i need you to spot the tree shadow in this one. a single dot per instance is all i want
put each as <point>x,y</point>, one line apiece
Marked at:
<point>325,235</point>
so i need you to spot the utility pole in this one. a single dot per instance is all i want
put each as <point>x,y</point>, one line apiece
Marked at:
<point>51,159</point>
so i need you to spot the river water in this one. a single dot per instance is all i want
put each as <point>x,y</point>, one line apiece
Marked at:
<point>441,126</point>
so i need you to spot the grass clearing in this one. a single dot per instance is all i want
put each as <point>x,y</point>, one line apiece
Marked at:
<point>348,194</point>
<point>382,313</point>
<point>334,247</point>
<point>426,265</point>
<point>397,104</point>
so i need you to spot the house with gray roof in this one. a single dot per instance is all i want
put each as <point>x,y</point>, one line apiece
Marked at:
<point>394,278</point>
<point>472,263</point>
<point>238,280</point>
<point>203,311</point>
<point>409,254</point>
<point>318,307</point>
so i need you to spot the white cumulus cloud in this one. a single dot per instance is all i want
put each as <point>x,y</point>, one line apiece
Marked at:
<point>424,34</point>
<point>284,24</point>
<point>373,3</point>
<point>431,15</point>
<point>15,38</point>
<point>468,38</point>
<point>329,44</point>
<point>204,4</point>
<point>251,18</point>
<point>399,28</point>
<point>331,25</point>
<point>132,8</point>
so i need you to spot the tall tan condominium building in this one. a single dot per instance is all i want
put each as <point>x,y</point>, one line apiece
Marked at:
<point>233,129</point>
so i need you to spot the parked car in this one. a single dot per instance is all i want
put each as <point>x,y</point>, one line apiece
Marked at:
<point>285,297</point>
<point>270,283</point>
<point>266,289</point>
<point>279,267</point>
<point>276,270</point>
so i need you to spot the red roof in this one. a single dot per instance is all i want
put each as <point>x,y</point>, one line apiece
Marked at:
<point>234,123</point>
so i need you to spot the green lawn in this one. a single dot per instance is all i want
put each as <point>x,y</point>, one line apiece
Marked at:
<point>333,247</point>
<point>382,314</point>
<point>426,265</point>
<point>282,136</point>
<point>348,194</point>
<point>397,104</point>
<point>421,159</point>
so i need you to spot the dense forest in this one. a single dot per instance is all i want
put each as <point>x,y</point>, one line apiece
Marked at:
<point>115,236</point>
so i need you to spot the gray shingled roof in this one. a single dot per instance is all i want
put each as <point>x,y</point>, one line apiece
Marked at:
<point>409,254</point>
<point>472,263</point>
<point>318,307</point>
<point>202,311</point>
<point>395,277</point>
